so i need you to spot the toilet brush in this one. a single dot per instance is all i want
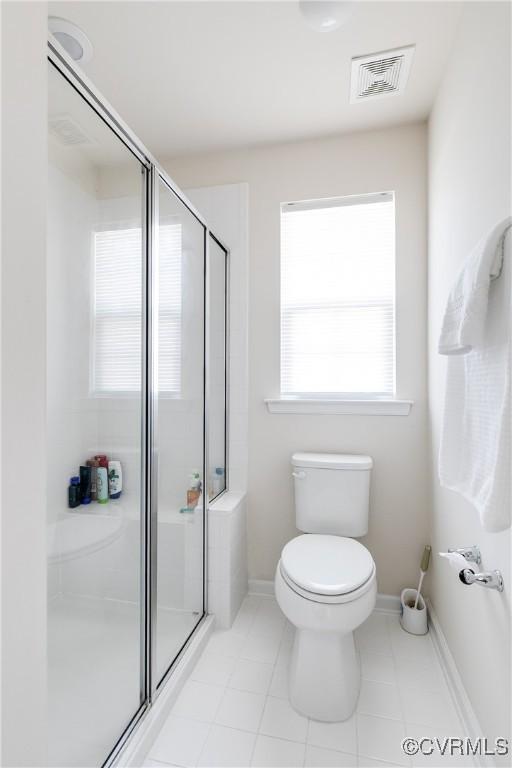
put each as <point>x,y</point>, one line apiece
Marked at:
<point>423,569</point>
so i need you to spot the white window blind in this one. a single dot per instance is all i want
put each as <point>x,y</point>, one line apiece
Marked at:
<point>169,308</point>
<point>338,297</point>
<point>117,310</point>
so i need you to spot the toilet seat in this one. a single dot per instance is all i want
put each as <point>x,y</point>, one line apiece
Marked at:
<point>327,569</point>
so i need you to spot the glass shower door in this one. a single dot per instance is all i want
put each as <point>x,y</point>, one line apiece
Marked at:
<point>95,300</point>
<point>178,416</point>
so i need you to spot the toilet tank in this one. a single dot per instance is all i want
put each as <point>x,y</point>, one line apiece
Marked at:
<point>332,493</point>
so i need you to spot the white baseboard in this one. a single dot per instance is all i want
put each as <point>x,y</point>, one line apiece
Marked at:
<point>141,740</point>
<point>467,716</point>
<point>261,587</point>
<point>385,603</point>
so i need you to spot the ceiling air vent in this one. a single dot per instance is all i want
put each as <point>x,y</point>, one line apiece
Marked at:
<point>380,74</point>
<point>67,131</point>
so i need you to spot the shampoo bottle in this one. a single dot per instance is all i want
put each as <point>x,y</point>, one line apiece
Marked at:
<point>74,492</point>
<point>102,485</point>
<point>85,485</point>
<point>194,491</point>
<point>93,464</point>
<point>115,479</point>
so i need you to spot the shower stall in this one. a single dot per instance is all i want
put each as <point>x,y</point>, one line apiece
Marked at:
<point>137,374</point>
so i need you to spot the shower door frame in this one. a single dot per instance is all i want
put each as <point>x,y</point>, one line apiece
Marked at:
<point>150,687</point>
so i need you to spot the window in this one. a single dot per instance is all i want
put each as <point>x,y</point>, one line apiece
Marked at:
<point>117,314</point>
<point>337,297</point>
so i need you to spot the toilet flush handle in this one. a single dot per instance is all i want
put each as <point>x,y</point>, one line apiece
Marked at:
<point>299,475</point>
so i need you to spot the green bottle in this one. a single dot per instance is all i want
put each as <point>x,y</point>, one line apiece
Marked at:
<point>102,485</point>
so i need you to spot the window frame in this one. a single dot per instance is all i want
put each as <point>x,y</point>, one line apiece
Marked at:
<point>332,399</point>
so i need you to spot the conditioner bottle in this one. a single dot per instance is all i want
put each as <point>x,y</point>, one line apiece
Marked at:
<point>102,485</point>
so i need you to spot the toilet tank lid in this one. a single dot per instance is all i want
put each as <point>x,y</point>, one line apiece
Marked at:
<point>332,461</point>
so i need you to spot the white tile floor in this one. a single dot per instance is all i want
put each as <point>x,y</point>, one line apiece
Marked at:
<point>234,710</point>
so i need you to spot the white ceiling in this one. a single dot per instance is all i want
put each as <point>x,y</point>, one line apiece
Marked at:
<point>198,76</point>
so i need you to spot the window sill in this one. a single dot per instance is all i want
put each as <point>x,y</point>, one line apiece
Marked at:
<point>339,407</point>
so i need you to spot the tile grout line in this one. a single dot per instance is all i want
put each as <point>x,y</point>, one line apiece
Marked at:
<point>395,669</point>
<point>210,725</point>
<point>399,687</point>
<point>307,741</point>
<point>356,718</point>
<point>383,717</point>
<point>258,732</point>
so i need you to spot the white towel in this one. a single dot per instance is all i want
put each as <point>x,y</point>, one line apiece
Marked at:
<point>474,456</point>
<point>464,317</point>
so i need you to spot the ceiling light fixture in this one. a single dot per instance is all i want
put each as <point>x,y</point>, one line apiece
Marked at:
<point>74,41</point>
<point>326,15</point>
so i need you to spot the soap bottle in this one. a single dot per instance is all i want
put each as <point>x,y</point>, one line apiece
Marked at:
<point>115,479</point>
<point>85,485</point>
<point>74,492</point>
<point>194,491</point>
<point>93,464</point>
<point>102,460</point>
<point>102,485</point>
<point>218,481</point>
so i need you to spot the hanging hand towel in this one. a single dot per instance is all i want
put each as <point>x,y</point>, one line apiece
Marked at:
<point>464,317</point>
<point>474,457</point>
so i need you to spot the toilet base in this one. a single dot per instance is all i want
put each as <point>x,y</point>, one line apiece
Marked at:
<point>324,675</point>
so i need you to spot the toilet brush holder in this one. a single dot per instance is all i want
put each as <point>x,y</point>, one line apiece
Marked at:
<point>413,620</point>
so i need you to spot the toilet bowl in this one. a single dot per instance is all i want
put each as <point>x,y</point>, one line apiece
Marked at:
<point>326,587</point>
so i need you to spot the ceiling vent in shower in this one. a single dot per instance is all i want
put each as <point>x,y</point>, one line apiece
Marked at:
<point>380,74</point>
<point>67,131</point>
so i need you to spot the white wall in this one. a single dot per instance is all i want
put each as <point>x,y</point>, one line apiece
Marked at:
<point>367,162</point>
<point>23,396</point>
<point>469,175</point>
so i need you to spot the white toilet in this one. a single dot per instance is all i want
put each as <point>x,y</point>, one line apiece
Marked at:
<point>326,582</point>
